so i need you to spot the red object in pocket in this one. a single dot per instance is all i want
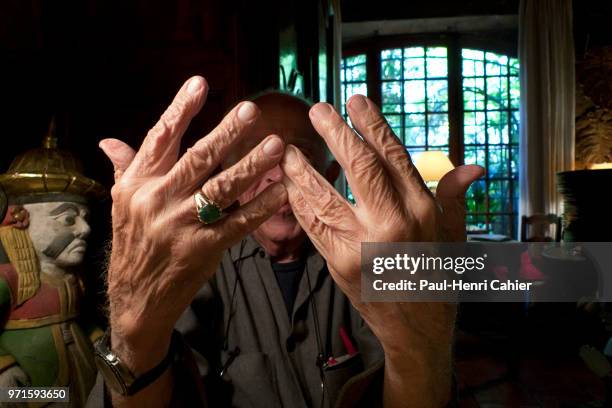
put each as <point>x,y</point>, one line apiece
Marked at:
<point>348,345</point>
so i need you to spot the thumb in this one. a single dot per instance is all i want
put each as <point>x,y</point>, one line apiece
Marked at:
<point>450,195</point>
<point>455,183</point>
<point>119,153</point>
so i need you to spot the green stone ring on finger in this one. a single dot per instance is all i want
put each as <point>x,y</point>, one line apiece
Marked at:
<point>207,210</point>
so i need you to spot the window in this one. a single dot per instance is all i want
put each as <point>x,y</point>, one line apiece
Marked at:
<point>415,96</point>
<point>414,87</point>
<point>352,79</point>
<point>490,138</point>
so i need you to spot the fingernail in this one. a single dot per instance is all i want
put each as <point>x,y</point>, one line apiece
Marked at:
<point>320,110</point>
<point>358,103</point>
<point>194,85</point>
<point>247,112</point>
<point>291,155</point>
<point>107,144</point>
<point>291,158</point>
<point>273,147</point>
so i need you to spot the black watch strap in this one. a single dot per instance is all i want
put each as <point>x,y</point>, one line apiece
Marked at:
<point>153,374</point>
<point>128,388</point>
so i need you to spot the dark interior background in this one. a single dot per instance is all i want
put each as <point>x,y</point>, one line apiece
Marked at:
<point>108,68</point>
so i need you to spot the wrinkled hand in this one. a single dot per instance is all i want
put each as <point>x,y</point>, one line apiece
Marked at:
<point>392,204</point>
<point>161,254</point>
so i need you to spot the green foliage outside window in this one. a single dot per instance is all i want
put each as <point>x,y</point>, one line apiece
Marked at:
<point>414,92</point>
<point>491,95</point>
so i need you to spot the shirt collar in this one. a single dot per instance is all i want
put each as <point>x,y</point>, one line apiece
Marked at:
<point>249,247</point>
<point>246,248</point>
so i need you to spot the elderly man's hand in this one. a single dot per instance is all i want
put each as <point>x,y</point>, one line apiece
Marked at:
<point>393,204</point>
<point>161,253</point>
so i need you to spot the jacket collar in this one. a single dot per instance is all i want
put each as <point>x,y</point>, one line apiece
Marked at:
<point>249,247</point>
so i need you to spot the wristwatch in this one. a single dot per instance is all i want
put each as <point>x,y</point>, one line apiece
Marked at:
<point>120,378</point>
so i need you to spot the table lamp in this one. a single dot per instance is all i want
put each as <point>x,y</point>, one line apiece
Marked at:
<point>433,165</point>
<point>600,166</point>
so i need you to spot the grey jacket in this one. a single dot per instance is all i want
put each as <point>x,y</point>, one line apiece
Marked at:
<point>241,349</point>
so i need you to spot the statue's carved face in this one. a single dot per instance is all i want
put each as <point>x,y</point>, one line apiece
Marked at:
<point>59,231</point>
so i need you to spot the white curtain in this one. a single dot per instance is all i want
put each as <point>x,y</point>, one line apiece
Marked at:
<point>546,54</point>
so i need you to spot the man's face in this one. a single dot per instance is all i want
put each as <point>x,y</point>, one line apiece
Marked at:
<point>293,125</point>
<point>58,231</point>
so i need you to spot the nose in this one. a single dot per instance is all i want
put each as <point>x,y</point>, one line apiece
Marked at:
<point>274,175</point>
<point>81,228</point>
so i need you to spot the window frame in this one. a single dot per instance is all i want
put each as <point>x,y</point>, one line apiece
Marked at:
<point>454,43</point>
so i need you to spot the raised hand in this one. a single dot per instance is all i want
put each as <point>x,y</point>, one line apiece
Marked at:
<point>161,253</point>
<point>392,204</point>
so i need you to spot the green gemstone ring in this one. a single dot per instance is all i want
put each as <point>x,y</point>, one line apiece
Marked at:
<point>208,211</point>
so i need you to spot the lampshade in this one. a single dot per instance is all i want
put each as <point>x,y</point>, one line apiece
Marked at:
<point>601,166</point>
<point>433,165</point>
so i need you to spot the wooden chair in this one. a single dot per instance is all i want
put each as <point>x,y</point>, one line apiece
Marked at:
<point>540,226</point>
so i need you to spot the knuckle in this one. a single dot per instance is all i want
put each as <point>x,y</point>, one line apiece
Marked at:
<point>117,174</point>
<point>243,220</point>
<point>140,201</point>
<point>337,129</point>
<point>396,154</point>
<point>167,191</point>
<point>116,193</point>
<point>200,155</point>
<point>119,190</point>
<point>254,163</point>
<point>299,205</point>
<point>378,125</point>
<point>218,189</point>
<point>156,229</point>
<point>175,112</point>
<point>229,129</point>
<point>316,226</point>
<point>161,193</point>
<point>159,131</point>
<point>329,204</point>
<point>366,165</point>
<point>306,178</point>
<point>241,224</point>
<point>328,208</point>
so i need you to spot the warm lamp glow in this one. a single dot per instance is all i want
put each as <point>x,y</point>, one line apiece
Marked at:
<point>600,166</point>
<point>433,165</point>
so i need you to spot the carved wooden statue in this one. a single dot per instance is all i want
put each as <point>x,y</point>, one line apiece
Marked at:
<point>43,234</point>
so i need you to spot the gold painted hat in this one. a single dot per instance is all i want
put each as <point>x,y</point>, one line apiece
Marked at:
<point>48,174</point>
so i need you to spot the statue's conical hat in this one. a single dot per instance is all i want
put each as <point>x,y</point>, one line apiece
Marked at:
<point>48,174</point>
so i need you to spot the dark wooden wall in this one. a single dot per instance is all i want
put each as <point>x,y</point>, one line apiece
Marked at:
<point>108,68</point>
<point>366,10</point>
<point>592,28</point>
